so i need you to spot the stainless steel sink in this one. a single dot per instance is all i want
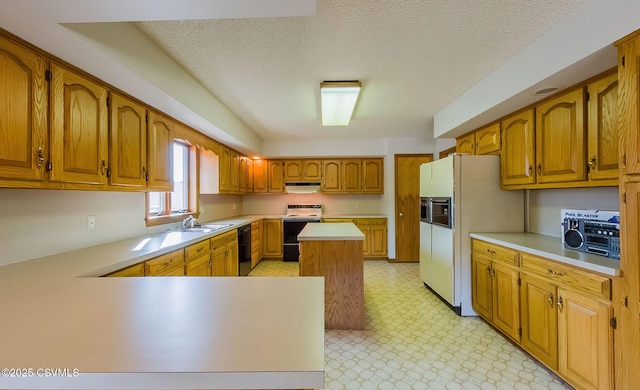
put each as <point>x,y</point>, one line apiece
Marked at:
<point>207,228</point>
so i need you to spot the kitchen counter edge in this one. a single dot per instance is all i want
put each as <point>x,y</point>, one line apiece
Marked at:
<point>552,248</point>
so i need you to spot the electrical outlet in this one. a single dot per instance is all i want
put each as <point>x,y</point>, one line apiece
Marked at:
<point>234,206</point>
<point>91,222</point>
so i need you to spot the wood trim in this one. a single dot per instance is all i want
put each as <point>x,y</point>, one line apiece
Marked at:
<point>447,152</point>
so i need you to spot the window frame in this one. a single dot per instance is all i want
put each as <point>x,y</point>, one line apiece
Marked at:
<point>167,216</point>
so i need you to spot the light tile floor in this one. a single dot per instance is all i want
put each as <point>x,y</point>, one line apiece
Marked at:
<point>413,341</point>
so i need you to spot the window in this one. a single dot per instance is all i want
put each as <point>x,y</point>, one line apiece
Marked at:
<point>165,207</point>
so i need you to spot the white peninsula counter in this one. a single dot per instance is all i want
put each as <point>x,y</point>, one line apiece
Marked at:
<point>63,329</point>
<point>334,250</point>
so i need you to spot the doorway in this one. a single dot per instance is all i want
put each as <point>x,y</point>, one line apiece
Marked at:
<point>407,200</point>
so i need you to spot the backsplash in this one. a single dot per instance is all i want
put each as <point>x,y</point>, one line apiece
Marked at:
<point>331,204</point>
<point>544,212</point>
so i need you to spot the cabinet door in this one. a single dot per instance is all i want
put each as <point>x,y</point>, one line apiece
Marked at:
<point>243,174</point>
<point>225,169</point>
<point>539,319</point>
<point>352,175</point>
<point>276,175</point>
<point>200,266</point>
<point>603,130</point>
<point>506,305</point>
<point>481,298</point>
<point>127,142</point>
<point>273,239</point>
<point>585,340</point>
<point>373,176</point>
<point>79,132</point>
<point>518,157</point>
<point>366,244</point>
<point>466,144</point>
<point>293,170</point>
<point>23,113</point>
<point>560,139</point>
<point>231,265</point>
<point>378,242</point>
<point>219,261</point>
<point>234,176</point>
<point>260,181</point>
<point>332,176</point>
<point>628,103</point>
<point>489,140</point>
<point>160,153</point>
<point>312,170</point>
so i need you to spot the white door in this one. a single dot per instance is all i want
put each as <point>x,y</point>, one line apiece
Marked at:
<point>440,273</point>
<point>425,251</point>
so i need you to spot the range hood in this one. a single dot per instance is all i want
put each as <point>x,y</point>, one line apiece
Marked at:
<point>302,187</point>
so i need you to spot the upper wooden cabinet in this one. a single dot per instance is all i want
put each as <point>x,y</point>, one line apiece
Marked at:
<point>629,101</point>
<point>489,139</point>
<point>344,175</point>
<point>79,129</point>
<point>466,143</point>
<point>234,175</point>
<point>568,141</point>
<point>268,176</point>
<point>517,160</point>
<point>603,131</point>
<point>128,142</point>
<point>160,152</point>
<point>373,175</point>
<point>224,160</point>
<point>486,140</point>
<point>561,139</point>
<point>302,170</point>
<point>23,113</point>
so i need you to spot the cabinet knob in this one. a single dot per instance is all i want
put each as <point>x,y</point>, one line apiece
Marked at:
<point>550,300</point>
<point>559,303</point>
<point>539,169</point>
<point>400,214</point>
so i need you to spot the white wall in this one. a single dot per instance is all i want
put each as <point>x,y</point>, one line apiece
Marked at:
<point>545,205</point>
<point>38,223</point>
<point>331,204</point>
<point>385,147</point>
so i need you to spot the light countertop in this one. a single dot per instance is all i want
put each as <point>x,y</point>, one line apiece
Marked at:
<point>157,332</point>
<point>329,231</point>
<point>552,248</point>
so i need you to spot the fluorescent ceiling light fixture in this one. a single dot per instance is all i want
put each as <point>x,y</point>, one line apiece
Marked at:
<point>338,101</point>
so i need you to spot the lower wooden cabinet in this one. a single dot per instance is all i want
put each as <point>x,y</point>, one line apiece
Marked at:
<point>564,313</point>
<point>375,236</point>
<point>273,238</point>
<point>170,264</point>
<point>495,287</point>
<point>197,259</point>
<point>134,270</point>
<point>224,254</point>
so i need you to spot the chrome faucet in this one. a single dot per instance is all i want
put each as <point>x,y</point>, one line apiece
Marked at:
<point>188,222</point>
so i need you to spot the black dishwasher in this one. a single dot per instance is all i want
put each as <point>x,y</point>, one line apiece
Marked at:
<point>244,250</point>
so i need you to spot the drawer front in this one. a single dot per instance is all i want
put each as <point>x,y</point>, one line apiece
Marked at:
<point>134,270</point>
<point>224,239</point>
<point>568,276</point>
<point>496,252</point>
<point>195,250</point>
<point>337,220</point>
<point>164,263</point>
<point>370,221</point>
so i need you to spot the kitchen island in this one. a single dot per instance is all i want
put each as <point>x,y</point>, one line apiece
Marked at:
<point>63,328</point>
<point>334,251</point>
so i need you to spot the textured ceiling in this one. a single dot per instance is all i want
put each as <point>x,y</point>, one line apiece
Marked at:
<point>413,56</point>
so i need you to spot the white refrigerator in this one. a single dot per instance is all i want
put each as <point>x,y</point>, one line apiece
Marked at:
<point>477,204</point>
